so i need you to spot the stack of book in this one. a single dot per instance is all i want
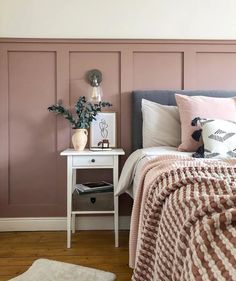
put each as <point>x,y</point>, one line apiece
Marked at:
<point>93,187</point>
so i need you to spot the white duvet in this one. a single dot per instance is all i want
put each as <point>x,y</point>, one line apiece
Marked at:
<point>133,167</point>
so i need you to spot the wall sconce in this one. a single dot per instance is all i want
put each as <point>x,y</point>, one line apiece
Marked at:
<point>95,79</point>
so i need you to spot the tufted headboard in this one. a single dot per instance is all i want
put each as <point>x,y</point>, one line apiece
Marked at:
<point>166,97</point>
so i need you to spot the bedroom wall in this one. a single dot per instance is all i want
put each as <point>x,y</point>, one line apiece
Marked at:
<point>152,19</point>
<point>37,73</point>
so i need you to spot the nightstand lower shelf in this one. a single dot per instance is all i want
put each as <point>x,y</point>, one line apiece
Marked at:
<point>92,212</point>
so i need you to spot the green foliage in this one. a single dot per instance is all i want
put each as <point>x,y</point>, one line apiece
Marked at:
<point>85,112</point>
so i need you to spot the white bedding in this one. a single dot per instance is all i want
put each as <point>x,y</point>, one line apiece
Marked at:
<point>132,170</point>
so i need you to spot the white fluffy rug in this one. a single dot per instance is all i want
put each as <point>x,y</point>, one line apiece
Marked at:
<point>49,270</point>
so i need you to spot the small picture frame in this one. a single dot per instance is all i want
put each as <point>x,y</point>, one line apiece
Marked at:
<point>103,131</point>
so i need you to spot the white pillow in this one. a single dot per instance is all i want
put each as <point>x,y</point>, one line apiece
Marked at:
<point>161,125</point>
<point>219,138</point>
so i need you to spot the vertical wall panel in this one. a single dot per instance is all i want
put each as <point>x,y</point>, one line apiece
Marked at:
<point>216,71</point>
<point>158,71</point>
<point>4,165</point>
<point>32,131</point>
<point>109,64</point>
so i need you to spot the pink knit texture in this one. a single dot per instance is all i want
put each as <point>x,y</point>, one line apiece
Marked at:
<point>183,221</point>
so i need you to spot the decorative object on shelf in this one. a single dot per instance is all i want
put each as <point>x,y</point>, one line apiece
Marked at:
<point>95,78</point>
<point>79,139</point>
<point>85,113</point>
<point>103,131</point>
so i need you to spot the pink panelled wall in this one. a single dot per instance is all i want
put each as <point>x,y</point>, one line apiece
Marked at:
<point>36,73</point>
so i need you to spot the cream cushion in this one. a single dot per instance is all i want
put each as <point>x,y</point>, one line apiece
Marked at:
<point>161,125</point>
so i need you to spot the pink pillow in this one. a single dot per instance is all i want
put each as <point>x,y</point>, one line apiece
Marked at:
<point>203,107</point>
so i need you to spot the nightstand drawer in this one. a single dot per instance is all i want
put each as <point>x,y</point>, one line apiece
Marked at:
<point>103,201</point>
<point>91,161</point>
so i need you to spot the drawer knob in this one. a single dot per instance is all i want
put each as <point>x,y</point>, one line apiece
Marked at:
<point>93,160</point>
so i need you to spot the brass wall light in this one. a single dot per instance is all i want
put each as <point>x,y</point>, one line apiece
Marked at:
<point>95,92</point>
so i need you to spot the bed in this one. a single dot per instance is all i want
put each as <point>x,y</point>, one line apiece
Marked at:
<point>183,224</point>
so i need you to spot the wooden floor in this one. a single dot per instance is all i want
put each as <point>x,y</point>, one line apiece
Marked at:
<point>89,248</point>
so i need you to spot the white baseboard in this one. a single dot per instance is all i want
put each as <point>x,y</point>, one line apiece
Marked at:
<point>59,223</point>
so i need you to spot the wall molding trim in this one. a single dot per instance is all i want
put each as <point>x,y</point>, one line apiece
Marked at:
<point>59,223</point>
<point>117,41</point>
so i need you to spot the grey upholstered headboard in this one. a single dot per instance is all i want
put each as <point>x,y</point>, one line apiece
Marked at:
<point>163,97</point>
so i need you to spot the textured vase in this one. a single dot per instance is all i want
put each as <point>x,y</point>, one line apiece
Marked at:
<point>79,139</point>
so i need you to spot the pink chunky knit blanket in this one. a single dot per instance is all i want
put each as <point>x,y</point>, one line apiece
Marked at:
<point>183,224</point>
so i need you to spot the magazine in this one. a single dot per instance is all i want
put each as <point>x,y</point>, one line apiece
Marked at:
<point>87,188</point>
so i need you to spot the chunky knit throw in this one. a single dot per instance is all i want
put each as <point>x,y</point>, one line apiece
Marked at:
<point>183,223</point>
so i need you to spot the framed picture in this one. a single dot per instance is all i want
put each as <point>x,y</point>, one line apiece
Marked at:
<point>103,131</point>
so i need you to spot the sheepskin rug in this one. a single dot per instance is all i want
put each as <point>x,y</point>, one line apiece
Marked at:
<point>49,270</point>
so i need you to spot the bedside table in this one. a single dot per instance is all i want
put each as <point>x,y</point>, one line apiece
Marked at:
<point>86,159</point>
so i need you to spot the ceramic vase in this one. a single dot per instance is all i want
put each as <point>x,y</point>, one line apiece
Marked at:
<point>79,139</point>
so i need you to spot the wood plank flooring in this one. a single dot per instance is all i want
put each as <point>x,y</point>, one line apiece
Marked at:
<point>89,248</point>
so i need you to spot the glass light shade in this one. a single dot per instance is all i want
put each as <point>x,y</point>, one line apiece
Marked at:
<point>95,94</point>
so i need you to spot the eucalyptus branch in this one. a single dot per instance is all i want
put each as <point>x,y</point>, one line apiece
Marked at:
<point>85,112</point>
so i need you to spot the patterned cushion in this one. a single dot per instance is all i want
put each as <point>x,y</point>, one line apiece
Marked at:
<point>219,138</point>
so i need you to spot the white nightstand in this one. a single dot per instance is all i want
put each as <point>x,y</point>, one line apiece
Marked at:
<point>91,160</point>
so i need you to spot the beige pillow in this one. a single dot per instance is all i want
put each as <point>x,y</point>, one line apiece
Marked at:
<point>161,125</point>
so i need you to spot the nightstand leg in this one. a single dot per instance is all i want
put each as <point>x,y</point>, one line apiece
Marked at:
<point>73,188</point>
<point>116,201</point>
<point>69,196</point>
<point>73,224</point>
<point>68,231</point>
